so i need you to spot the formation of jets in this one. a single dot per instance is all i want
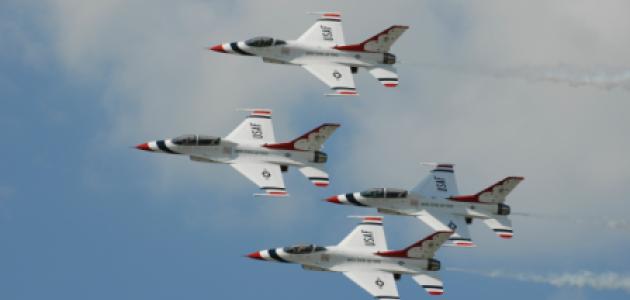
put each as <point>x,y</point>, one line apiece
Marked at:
<point>362,256</point>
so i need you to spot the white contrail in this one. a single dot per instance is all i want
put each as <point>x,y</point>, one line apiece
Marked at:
<point>601,221</point>
<point>604,78</point>
<point>581,279</point>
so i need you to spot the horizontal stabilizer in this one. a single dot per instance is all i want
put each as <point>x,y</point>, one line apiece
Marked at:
<point>431,283</point>
<point>318,177</point>
<point>501,225</point>
<point>386,75</point>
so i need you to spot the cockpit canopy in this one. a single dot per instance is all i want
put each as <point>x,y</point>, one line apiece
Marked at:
<point>264,41</point>
<point>303,249</point>
<point>196,140</point>
<point>384,193</point>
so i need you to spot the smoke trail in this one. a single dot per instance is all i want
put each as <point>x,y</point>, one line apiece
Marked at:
<point>603,78</point>
<point>582,279</point>
<point>605,222</point>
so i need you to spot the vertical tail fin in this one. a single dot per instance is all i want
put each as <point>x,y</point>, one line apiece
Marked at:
<point>326,30</point>
<point>495,193</point>
<point>380,42</point>
<point>310,141</point>
<point>440,183</point>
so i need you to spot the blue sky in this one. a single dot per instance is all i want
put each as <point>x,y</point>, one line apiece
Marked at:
<point>496,89</point>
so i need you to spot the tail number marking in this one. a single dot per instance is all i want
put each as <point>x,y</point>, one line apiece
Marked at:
<point>368,238</point>
<point>256,131</point>
<point>326,33</point>
<point>440,184</point>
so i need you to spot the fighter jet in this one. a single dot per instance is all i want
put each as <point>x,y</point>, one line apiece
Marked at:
<point>363,257</point>
<point>323,51</point>
<point>252,150</point>
<point>437,202</point>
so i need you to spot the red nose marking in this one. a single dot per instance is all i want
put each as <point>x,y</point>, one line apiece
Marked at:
<point>505,236</point>
<point>255,255</point>
<point>218,48</point>
<point>333,199</point>
<point>144,146</point>
<point>436,293</point>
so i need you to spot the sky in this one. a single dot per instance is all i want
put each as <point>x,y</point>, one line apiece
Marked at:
<point>538,89</point>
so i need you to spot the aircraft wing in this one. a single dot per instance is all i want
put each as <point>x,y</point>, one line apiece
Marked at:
<point>267,177</point>
<point>381,285</point>
<point>256,129</point>
<point>440,221</point>
<point>337,77</point>
<point>368,235</point>
<point>501,225</point>
<point>327,30</point>
<point>431,283</point>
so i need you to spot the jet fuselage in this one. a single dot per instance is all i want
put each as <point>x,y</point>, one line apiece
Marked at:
<point>402,202</point>
<point>338,259</point>
<point>217,150</point>
<point>301,53</point>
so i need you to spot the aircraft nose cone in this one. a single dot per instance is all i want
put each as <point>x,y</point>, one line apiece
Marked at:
<point>143,146</point>
<point>255,255</point>
<point>333,199</point>
<point>218,48</point>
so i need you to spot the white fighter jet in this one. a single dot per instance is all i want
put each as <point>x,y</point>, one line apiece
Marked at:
<point>252,150</point>
<point>363,257</point>
<point>437,202</point>
<point>322,51</point>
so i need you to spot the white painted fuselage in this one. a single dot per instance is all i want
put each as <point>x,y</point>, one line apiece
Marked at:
<point>413,205</point>
<point>340,259</point>
<point>304,53</point>
<point>228,152</point>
